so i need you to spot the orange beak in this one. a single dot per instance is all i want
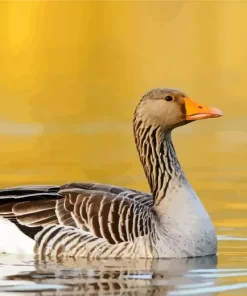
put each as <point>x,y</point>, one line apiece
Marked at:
<point>196,111</point>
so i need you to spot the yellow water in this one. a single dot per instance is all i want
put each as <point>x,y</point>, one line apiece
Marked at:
<point>71,74</point>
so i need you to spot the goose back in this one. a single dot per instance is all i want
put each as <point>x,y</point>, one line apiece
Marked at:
<point>89,212</point>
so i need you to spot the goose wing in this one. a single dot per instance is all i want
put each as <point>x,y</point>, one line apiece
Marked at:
<point>113,213</point>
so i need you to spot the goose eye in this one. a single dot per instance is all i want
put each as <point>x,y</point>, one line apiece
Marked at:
<point>169,98</point>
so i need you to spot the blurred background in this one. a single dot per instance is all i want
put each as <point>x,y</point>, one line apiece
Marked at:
<point>72,73</point>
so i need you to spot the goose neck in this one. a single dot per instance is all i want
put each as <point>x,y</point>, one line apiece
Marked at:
<point>159,160</point>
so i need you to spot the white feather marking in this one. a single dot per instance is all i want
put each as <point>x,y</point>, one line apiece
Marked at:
<point>12,240</point>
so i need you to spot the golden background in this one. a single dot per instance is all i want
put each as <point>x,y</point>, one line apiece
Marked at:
<point>71,74</point>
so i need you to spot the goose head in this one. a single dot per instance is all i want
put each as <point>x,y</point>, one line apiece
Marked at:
<point>170,108</point>
<point>157,114</point>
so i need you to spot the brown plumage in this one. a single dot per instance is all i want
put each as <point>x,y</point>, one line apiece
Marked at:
<point>82,205</point>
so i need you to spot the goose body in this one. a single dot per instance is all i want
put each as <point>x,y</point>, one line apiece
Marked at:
<point>104,221</point>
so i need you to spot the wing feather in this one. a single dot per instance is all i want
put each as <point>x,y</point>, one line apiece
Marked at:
<point>113,213</point>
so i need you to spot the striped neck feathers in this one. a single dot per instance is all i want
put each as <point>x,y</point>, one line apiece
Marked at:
<point>159,160</point>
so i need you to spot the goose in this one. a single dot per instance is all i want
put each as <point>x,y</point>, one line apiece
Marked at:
<point>94,220</point>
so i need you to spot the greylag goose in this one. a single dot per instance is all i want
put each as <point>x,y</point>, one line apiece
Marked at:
<point>102,221</point>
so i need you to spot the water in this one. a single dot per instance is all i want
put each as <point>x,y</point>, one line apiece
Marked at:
<point>191,276</point>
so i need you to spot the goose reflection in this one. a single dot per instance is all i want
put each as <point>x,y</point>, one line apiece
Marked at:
<point>107,277</point>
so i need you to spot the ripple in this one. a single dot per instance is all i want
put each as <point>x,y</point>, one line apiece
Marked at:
<point>231,238</point>
<point>137,276</point>
<point>207,290</point>
<point>218,270</point>
<point>223,275</point>
<point>21,286</point>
